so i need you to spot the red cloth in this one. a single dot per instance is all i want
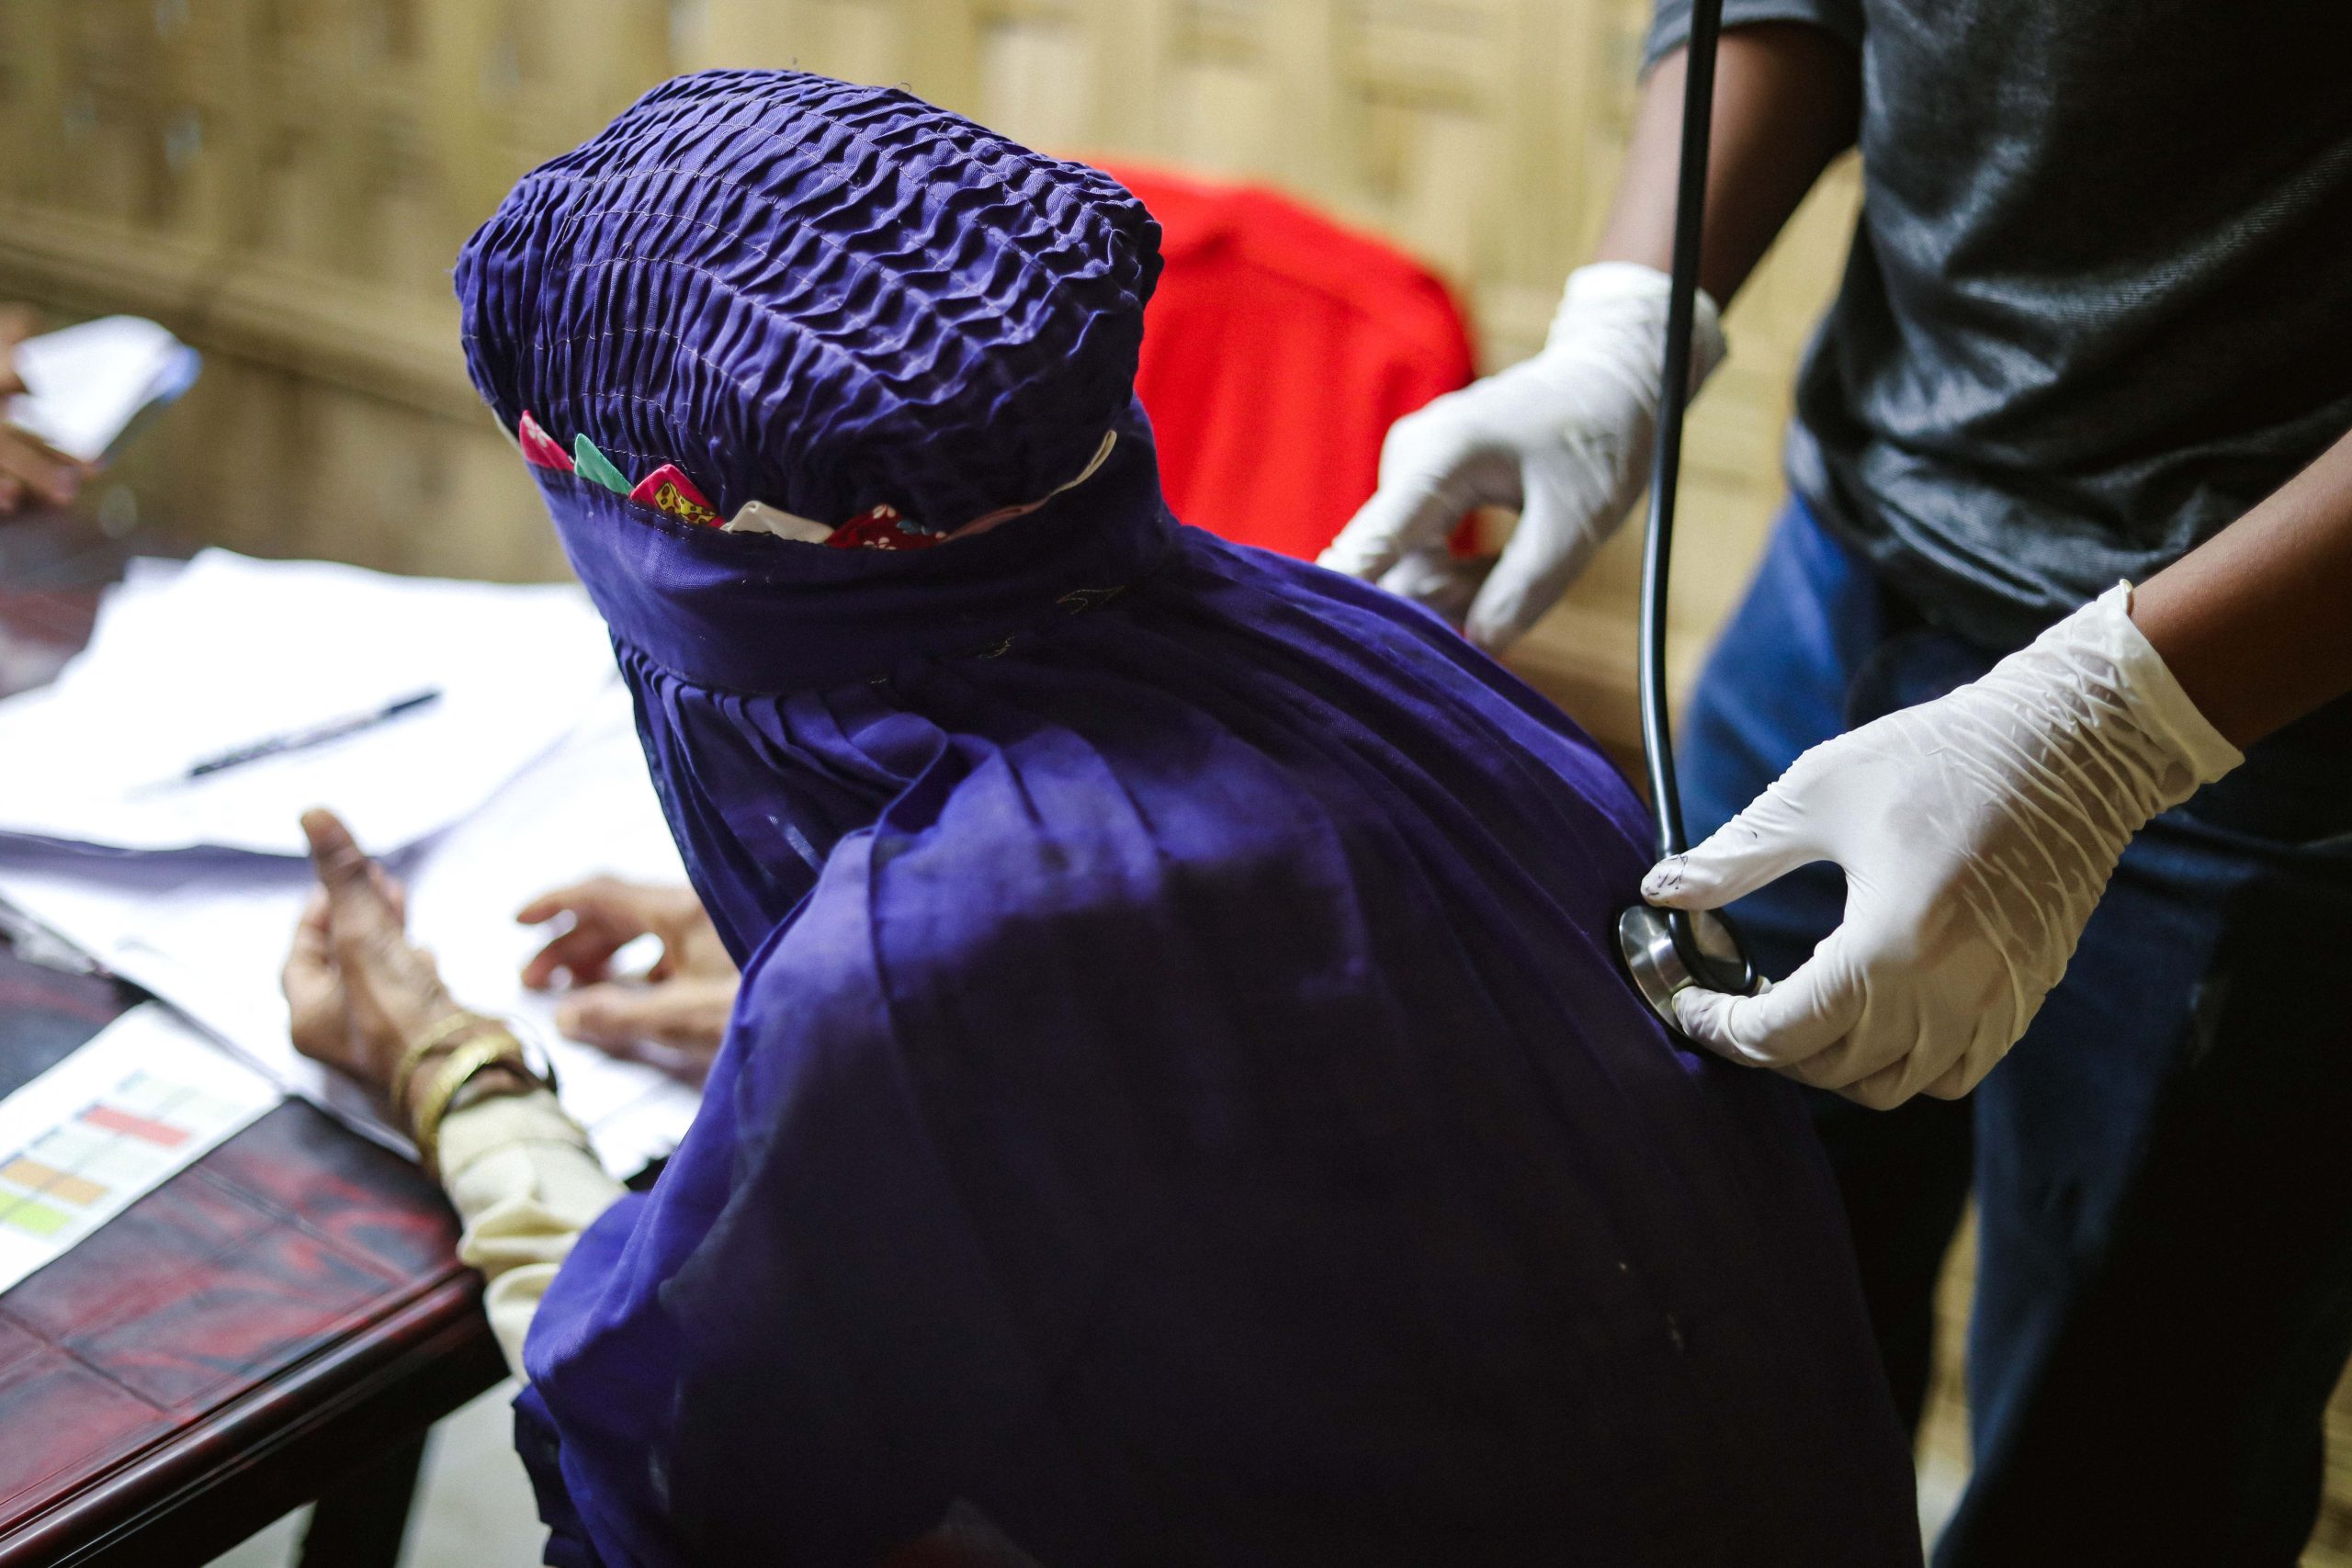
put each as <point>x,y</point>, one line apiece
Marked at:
<point>1277,351</point>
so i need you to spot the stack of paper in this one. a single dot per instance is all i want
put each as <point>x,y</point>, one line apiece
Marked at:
<point>186,665</point>
<point>86,386</point>
<point>525,777</point>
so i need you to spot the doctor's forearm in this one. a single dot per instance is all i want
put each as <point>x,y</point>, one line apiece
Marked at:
<point>1787,98</point>
<point>2257,622</point>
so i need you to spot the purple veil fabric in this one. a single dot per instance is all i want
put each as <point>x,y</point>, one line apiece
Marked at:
<point>1182,1106</point>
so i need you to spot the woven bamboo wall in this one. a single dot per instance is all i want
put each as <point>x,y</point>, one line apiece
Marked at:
<point>285,183</point>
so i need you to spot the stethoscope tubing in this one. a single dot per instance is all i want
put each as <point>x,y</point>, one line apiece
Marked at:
<point>1674,399</point>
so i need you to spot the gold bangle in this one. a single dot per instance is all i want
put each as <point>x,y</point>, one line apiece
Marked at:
<point>463,1064</point>
<point>425,1046</point>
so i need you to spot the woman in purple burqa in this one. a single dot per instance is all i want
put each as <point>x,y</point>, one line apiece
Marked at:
<point>1182,1105</point>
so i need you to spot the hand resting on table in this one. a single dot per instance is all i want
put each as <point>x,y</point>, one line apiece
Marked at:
<point>673,1014</point>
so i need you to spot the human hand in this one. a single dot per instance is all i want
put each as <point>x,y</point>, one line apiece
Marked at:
<point>1563,438</point>
<point>356,988</point>
<point>679,1006</point>
<point>29,468</point>
<point>1977,833</point>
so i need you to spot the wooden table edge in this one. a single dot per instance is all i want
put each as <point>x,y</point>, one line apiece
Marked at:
<point>228,1472</point>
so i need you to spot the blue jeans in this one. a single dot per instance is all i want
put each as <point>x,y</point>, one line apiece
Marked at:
<point>2163,1295</point>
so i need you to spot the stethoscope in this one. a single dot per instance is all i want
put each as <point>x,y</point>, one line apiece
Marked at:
<point>1667,951</point>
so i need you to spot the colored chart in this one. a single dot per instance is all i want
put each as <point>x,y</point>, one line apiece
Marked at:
<point>137,1102</point>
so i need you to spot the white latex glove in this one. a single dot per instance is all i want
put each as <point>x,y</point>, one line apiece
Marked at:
<point>1564,439</point>
<point>1977,833</point>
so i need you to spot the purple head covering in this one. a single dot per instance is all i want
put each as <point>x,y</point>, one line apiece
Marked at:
<point>821,295</point>
<point>1182,1106</point>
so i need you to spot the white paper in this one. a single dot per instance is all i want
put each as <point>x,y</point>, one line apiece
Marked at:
<point>227,651</point>
<point>142,1101</point>
<point>84,384</point>
<point>209,932</point>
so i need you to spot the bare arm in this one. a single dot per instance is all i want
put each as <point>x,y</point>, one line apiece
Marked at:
<point>1787,101</point>
<point>2257,621</point>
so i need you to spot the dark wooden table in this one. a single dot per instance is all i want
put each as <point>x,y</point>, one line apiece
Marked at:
<point>279,1323</point>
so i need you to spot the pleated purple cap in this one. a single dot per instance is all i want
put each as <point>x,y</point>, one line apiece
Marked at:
<point>817,295</point>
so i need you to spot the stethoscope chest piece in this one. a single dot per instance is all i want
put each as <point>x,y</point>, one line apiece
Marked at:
<point>1646,938</point>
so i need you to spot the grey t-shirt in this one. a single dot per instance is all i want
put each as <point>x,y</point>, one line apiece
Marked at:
<point>2100,301</point>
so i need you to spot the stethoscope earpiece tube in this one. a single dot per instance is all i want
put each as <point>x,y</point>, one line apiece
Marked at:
<point>1711,970</point>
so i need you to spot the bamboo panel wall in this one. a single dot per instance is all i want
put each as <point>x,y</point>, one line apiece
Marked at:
<point>286,183</point>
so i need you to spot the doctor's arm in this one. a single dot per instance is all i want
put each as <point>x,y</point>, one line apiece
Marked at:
<point>2257,622</point>
<point>1978,831</point>
<point>1565,438</point>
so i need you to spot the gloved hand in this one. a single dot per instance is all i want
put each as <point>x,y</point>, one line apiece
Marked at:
<point>1977,833</point>
<point>1563,438</point>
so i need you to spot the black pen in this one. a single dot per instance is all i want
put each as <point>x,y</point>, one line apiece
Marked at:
<point>316,734</point>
